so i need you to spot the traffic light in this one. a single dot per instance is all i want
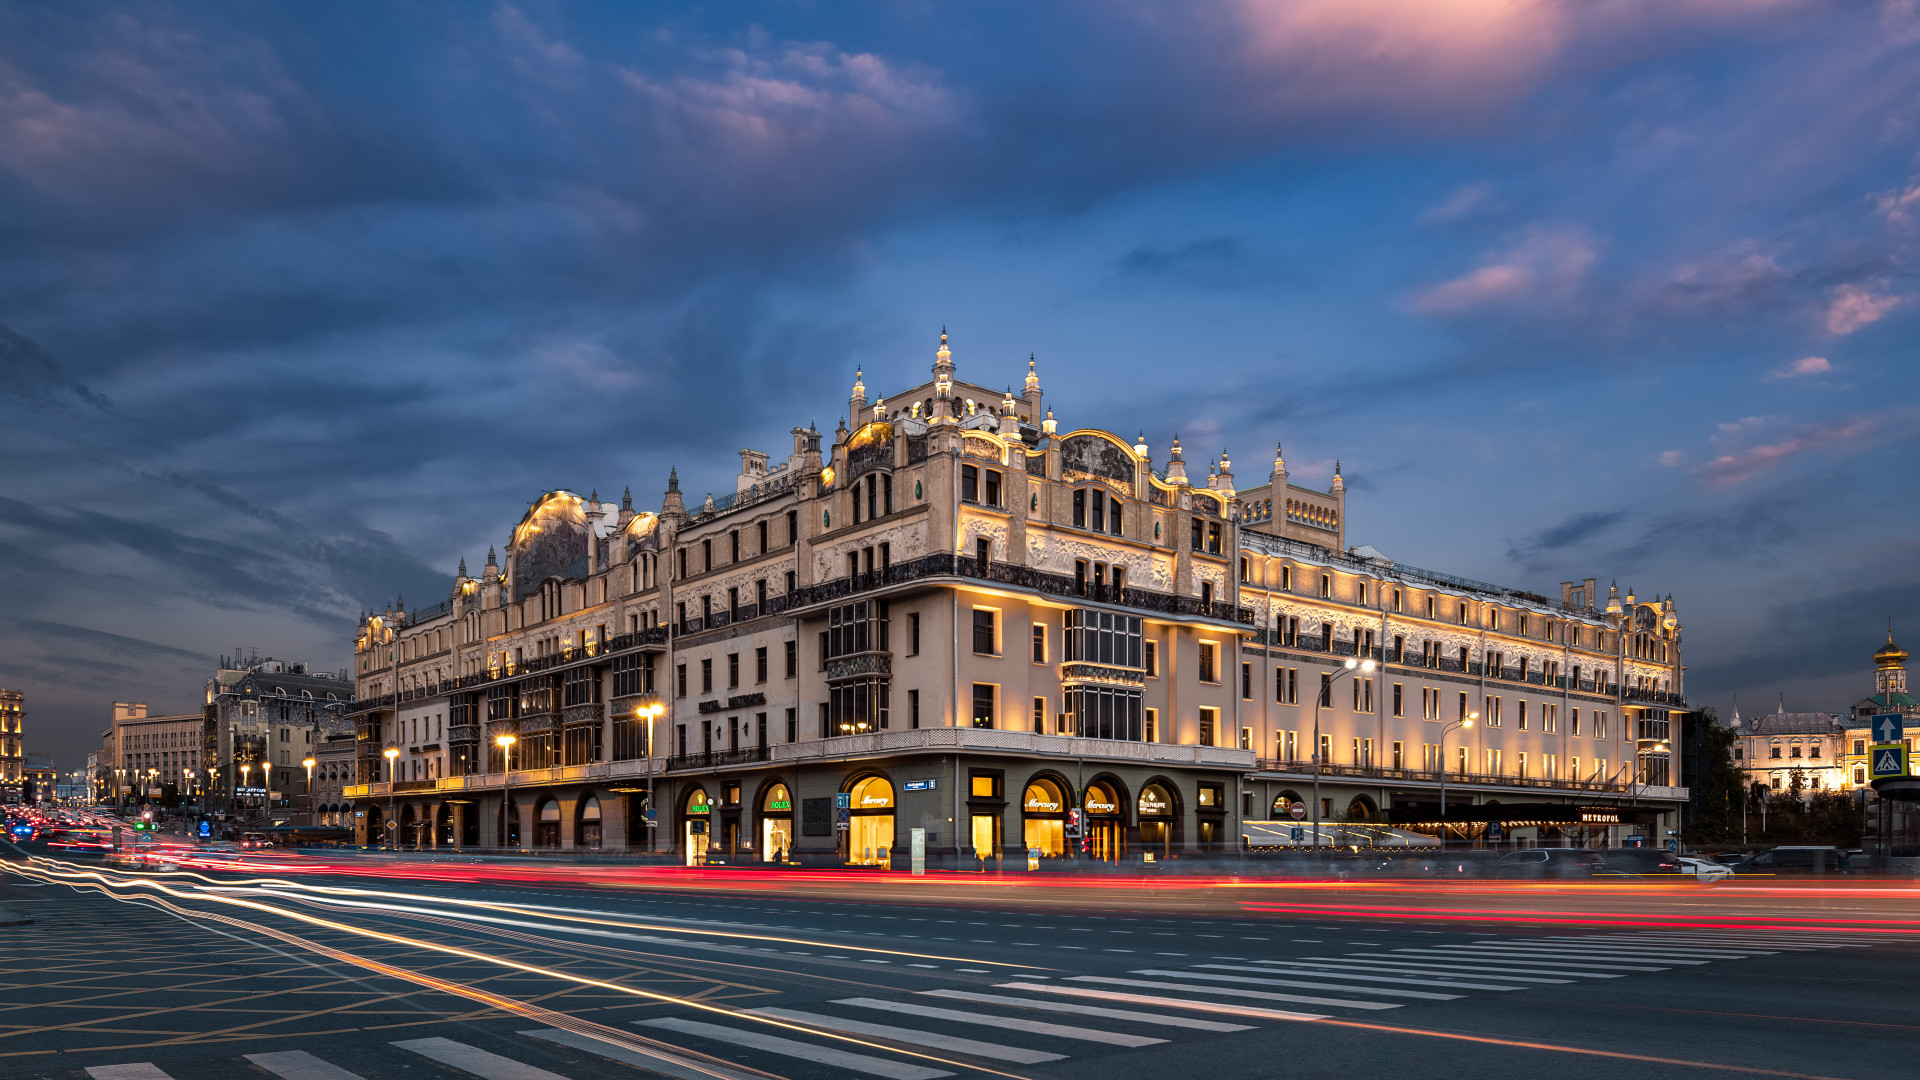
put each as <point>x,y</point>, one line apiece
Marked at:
<point>1073,824</point>
<point>143,826</point>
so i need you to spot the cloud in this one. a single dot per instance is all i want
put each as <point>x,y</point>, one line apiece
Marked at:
<point>1802,368</point>
<point>1741,275</point>
<point>1854,306</point>
<point>1580,529</point>
<point>1843,435</point>
<point>1458,204</point>
<point>1545,265</point>
<point>1671,458</point>
<point>1899,205</point>
<point>1218,261</point>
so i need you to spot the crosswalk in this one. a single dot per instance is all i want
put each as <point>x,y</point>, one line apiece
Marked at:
<point>1035,1020</point>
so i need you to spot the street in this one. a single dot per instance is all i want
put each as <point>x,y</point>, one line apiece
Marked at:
<point>309,968</point>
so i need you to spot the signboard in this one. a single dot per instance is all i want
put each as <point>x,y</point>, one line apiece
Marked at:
<point>1889,728</point>
<point>1299,834</point>
<point>206,829</point>
<point>919,785</point>
<point>1299,812</point>
<point>1494,830</point>
<point>842,820</point>
<point>1889,760</point>
<point>842,800</point>
<point>917,839</point>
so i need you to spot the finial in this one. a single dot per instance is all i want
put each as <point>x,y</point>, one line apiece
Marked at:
<point>943,336</point>
<point>1047,426</point>
<point>1140,444</point>
<point>673,478</point>
<point>626,498</point>
<point>463,566</point>
<point>595,496</point>
<point>491,559</point>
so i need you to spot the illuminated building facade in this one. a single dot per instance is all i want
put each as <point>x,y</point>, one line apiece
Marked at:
<point>954,614</point>
<point>13,759</point>
<point>260,720</point>
<point>151,753</point>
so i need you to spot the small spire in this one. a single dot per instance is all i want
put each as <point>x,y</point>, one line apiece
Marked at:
<point>626,498</point>
<point>1047,426</point>
<point>1140,444</point>
<point>1033,377</point>
<point>491,559</point>
<point>673,478</point>
<point>463,566</point>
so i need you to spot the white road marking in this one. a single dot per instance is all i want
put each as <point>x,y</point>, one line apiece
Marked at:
<point>914,1037</point>
<point>1088,1010</point>
<point>820,1055</point>
<point>1037,1027</point>
<point>1263,995</point>
<point>138,1070</point>
<point>1224,1008</point>
<point>483,1063</point>
<point>300,1065</point>
<point>655,1061</point>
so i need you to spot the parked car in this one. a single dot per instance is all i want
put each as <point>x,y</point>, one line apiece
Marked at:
<point>1705,870</point>
<point>1639,860</point>
<point>1548,863</point>
<point>253,840</point>
<point>1794,859</point>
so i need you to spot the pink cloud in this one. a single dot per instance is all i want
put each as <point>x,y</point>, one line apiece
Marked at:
<point>1898,205</point>
<point>1854,306</point>
<point>1547,263</point>
<point>1671,458</point>
<point>1458,204</point>
<point>1742,465</point>
<point>1801,368</point>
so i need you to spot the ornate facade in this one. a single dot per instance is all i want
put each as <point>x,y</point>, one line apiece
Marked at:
<point>12,744</point>
<point>957,615</point>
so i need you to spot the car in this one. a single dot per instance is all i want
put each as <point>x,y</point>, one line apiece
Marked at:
<point>1794,859</point>
<point>253,840</point>
<point>1705,870</point>
<point>1548,863</point>
<point>1639,860</point>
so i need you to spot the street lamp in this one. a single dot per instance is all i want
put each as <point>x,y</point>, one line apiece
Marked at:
<point>391,752</point>
<point>505,743</point>
<point>1326,694</point>
<point>246,777</point>
<point>651,708</point>
<point>1463,724</point>
<point>309,764</point>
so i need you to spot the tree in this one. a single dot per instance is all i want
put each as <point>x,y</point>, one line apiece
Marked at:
<point>1714,813</point>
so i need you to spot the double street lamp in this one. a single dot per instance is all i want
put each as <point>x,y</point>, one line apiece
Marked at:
<point>1462,724</point>
<point>1324,697</point>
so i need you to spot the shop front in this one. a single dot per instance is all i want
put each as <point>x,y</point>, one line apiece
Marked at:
<point>587,829</point>
<point>776,823</point>
<point>1159,820</point>
<point>1106,822</point>
<point>869,823</point>
<point>1044,811</point>
<point>546,826</point>
<point>695,815</point>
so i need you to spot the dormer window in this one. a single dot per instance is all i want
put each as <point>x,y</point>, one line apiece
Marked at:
<point>1098,511</point>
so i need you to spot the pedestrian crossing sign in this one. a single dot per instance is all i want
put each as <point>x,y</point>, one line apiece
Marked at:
<point>1889,759</point>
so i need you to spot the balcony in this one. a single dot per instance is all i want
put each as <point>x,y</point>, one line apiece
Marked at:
<point>950,739</point>
<point>946,564</point>
<point>1466,779</point>
<point>713,759</point>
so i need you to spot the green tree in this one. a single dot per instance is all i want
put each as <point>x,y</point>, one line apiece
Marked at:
<point>1714,813</point>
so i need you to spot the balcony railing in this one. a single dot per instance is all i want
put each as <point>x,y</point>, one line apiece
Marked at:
<point>1267,544</point>
<point>712,759</point>
<point>1382,772</point>
<point>947,564</point>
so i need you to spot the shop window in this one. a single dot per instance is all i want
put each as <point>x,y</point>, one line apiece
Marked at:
<point>982,785</point>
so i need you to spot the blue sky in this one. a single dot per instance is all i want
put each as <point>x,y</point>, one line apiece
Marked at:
<point>304,305</point>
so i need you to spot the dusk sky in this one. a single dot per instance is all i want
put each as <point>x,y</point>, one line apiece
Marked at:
<point>302,304</point>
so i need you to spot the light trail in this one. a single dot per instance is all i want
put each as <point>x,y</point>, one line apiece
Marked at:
<point>79,877</point>
<point>1903,927</point>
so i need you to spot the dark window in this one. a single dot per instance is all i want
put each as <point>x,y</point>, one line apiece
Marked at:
<point>1246,681</point>
<point>760,664</point>
<point>793,725</point>
<point>1080,509</point>
<point>1197,534</point>
<point>982,705</point>
<point>1153,659</point>
<point>761,531</point>
<point>913,634</point>
<point>733,669</point>
<point>706,675</point>
<point>983,636</point>
<point>993,487</point>
<point>970,483</point>
<point>1113,516</point>
<point>1039,643</point>
<point>1206,592</point>
<point>1207,672</point>
<point>733,546</point>
<point>913,708</point>
<point>680,679</point>
<point>790,582</point>
<point>793,659</point>
<point>793,528</point>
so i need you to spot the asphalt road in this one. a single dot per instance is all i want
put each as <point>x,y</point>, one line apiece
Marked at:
<point>373,968</point>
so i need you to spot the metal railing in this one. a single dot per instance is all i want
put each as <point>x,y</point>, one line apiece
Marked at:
<point>947,564</point>
<point>1384,772</point>
<point>711,507</point>
<point>714,758</point>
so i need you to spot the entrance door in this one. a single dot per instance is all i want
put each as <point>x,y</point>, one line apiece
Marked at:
<point>1104,840</point>
<point>776,837</point>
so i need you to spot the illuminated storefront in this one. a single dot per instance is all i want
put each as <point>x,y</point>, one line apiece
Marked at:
<point>1159,820</point>
<point>695,814</point>
<point>776,823</point>
<point>1044,811</point>
<point>870,822</point>
<point>1106,823</point>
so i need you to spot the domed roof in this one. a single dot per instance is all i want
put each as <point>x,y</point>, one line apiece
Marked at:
<point>1890,655</point>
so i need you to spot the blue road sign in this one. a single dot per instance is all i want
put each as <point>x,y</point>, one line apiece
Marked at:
<point>921,785</point>
<point>1888,727</point>
<point>842,800</point>
<point>1888,760</point>
<point>1299,834</point>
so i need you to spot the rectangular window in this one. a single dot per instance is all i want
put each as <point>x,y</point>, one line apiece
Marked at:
<point>1520,763</point>
<point>1399,755</point>
<point>984,639</point>
<point>1080,509</point>
<point>1326,690</point>
<point>1461,714</point>
<point>1246,569</point>
<point>793,725</point>
<point>1573,721</point>
<point>913,708</point>
<point>1209,720</point>
<point>1197,532</point>
<point>993,487</point>
<point>706,675</point>
<point>983,694</point>
<point>1493,717</point>
<point>793,659</point>
<point>1039,716</point>
<point>1286,579</point>
<point>1550,718</point>
<point>1246,738</point>
<point>1113,527</point>
<point>1153,725</point>
<point>1246,681</point>
<point>760,664</point>
<point>1153,659</point>
<point>913,633</point>
<point>1039,643</point>
<point>1492,760</point>
<point>1326,586</point>
<point>1520,715</point>
<point>1599,725</point>
<point>1288,745</point>
<point>733,670</point>
<point>1398,709</point>
<point>680,680</point>
<point>1207,672</point>
<point>970,483</point>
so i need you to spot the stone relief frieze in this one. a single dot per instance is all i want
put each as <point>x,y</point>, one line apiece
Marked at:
<point>1094,456</point>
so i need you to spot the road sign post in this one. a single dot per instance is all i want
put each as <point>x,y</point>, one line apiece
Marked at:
<point>1889,728</point>
<point>1887,759</point>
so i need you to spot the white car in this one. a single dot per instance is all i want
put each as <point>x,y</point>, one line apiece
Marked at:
<point>1704,869</point>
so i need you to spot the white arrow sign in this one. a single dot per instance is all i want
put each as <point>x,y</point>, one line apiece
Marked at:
<point>1887,728</point>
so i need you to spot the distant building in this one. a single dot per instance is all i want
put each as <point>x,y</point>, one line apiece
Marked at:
<point>12,757</point>
<point>1889,696</point>
<point>38,779</point>
<point>332,775</point>
<point>148,753</point>
<point>261,719</point>
<point>1828,749</point>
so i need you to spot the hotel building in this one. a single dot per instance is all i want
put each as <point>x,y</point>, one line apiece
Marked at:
<point>957,615</point>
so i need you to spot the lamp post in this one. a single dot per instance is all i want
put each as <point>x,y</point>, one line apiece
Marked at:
<point>505,742</point>
<point>246,775</point>
<point>391,752</point>
<point>1326,693</point>
<point>309,764</point>
<point>1463,724</point>
<point>650,709</point>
